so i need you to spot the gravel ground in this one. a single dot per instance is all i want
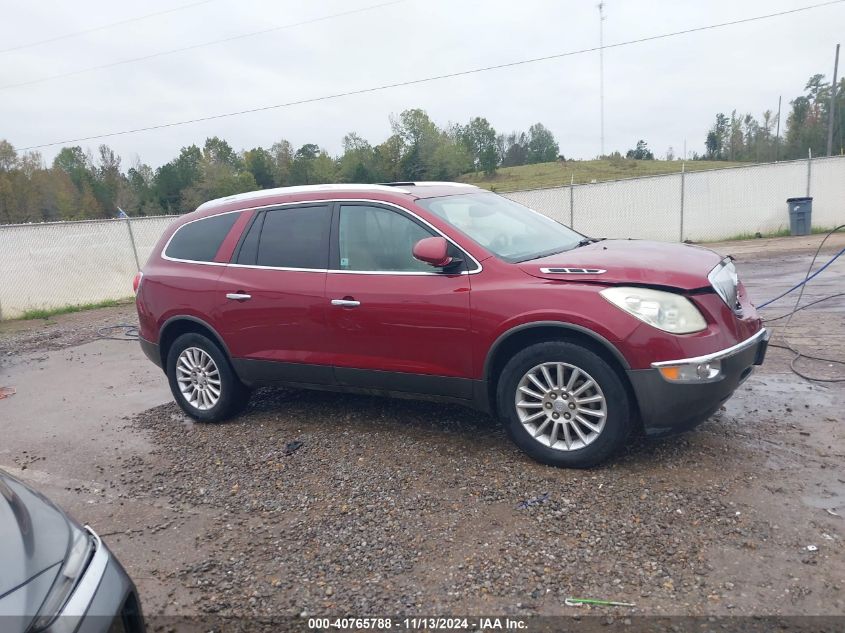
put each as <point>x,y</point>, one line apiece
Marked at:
<point>22,338</point>
<point>397,507</point>
<point>317,503</point>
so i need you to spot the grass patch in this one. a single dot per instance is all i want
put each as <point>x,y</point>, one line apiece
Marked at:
<point>757,236</point>
<point>557,174</point>
<point>784,232</point>
<point>46,313</point>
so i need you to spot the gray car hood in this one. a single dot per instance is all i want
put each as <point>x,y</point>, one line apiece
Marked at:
<point>34,539</point>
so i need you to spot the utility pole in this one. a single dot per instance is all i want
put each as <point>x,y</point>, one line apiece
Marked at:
<point>832,107</point>
<point>777,136</point>
<point>601,70</point>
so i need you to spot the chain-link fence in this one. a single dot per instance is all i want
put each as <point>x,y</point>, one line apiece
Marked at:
<point>53,265</point>
<point>57,264</point>
<point>698,206</point>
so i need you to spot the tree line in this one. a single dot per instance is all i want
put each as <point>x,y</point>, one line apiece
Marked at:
<point>80,185</point>
<point>743,137</point>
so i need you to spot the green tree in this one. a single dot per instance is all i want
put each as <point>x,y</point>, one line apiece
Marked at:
<point>216,150</point>
<point>282,153</point>
<point>388,156</point>
<point>514,149</point>
<point>717,138</point>
<point>478,138</point>
<point>542,146</point>
<point>641,152</point>
<point>177,176</point>
<point>311,166</point>
<point>75,163</point>
<point>109,183</point>
<point>358,162</point>
<point>217,180</point>
<point>8,156</point>
<point>420,138</point>
<point>259,162</point>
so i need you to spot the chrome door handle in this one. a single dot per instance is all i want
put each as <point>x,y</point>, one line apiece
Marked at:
<point>346,303</point>
<point>238,296</point>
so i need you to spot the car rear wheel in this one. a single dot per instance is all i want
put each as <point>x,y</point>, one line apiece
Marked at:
<point>202,380</point>
<point>563,405</point>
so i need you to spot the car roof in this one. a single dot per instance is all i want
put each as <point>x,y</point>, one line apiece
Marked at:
<point>416,190</point>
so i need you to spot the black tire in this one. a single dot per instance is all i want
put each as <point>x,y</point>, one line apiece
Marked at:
<point>617,420</point>
<point>233,396</point>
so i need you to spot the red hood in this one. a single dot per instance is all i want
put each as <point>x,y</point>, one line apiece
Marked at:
<point>632,261</point>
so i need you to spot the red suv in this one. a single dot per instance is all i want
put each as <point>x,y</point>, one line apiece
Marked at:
<point>445,290</point>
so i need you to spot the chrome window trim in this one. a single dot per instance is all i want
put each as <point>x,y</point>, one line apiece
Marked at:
<point>268,207</point>
<point>763,335</point>
<point>291,269</point>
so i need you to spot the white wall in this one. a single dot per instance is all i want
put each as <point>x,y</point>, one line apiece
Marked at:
<point>717,204</point>
<point>69,263</point>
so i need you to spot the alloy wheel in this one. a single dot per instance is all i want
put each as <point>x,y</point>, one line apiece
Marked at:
<point>561,406</point>
<point>198,378</point>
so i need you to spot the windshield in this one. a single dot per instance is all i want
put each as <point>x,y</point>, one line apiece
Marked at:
<point>509,230</point>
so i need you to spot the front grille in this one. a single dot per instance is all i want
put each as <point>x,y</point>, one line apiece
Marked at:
<point>725,282</point>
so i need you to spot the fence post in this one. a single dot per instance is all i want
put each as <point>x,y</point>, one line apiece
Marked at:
<point>132,241</point>
<point>809,168</point>
<point>683,177</point>
<point>572,202</point>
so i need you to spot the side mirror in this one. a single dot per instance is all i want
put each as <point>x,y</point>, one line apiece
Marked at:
<point>433,251</point>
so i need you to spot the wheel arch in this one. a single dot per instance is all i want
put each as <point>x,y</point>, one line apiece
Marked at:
<point>521,336</point>
<point>178,325</point>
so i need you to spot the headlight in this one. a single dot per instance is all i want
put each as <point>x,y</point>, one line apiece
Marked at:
<point>666,311</point>
<point>74,565</point>
<point>725,282</point>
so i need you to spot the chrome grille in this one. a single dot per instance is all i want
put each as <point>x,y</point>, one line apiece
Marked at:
<point>725,282</point>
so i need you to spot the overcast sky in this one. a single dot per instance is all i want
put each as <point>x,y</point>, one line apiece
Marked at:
<point>666,91</point>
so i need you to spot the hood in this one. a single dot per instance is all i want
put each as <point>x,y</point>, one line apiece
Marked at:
<point>630,262</point>
<point>34,538</point>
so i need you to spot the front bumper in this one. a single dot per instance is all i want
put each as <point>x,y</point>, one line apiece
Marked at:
<point>104,600</point>
<point>671,407</point>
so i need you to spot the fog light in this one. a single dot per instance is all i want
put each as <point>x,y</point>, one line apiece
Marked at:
<point>694,372</point>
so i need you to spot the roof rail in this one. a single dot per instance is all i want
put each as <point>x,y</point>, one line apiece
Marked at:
<point>427,183</point>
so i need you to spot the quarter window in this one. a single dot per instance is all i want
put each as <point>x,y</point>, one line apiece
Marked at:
<point>295,238</point>
<point>199,241</point>
<point>248,252</point>
<point>377,239</point>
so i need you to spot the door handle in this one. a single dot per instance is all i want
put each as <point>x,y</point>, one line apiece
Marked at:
<point>238,296</point>
<point>346,303</point>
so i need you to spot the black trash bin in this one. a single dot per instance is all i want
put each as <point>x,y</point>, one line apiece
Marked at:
<point>800,215</point>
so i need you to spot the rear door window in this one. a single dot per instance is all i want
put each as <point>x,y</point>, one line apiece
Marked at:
<point>295,237</point>
<point>199,241</point>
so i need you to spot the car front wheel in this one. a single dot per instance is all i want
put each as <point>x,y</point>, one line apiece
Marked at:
<point>563,405</point>
<point>202,380</point>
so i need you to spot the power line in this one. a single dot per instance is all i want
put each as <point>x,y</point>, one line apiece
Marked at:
<point>102,27</point>
<point>412,82</point>
<point>183,49</point>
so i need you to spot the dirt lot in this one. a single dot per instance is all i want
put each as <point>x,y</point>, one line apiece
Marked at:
<point>317,503</point>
